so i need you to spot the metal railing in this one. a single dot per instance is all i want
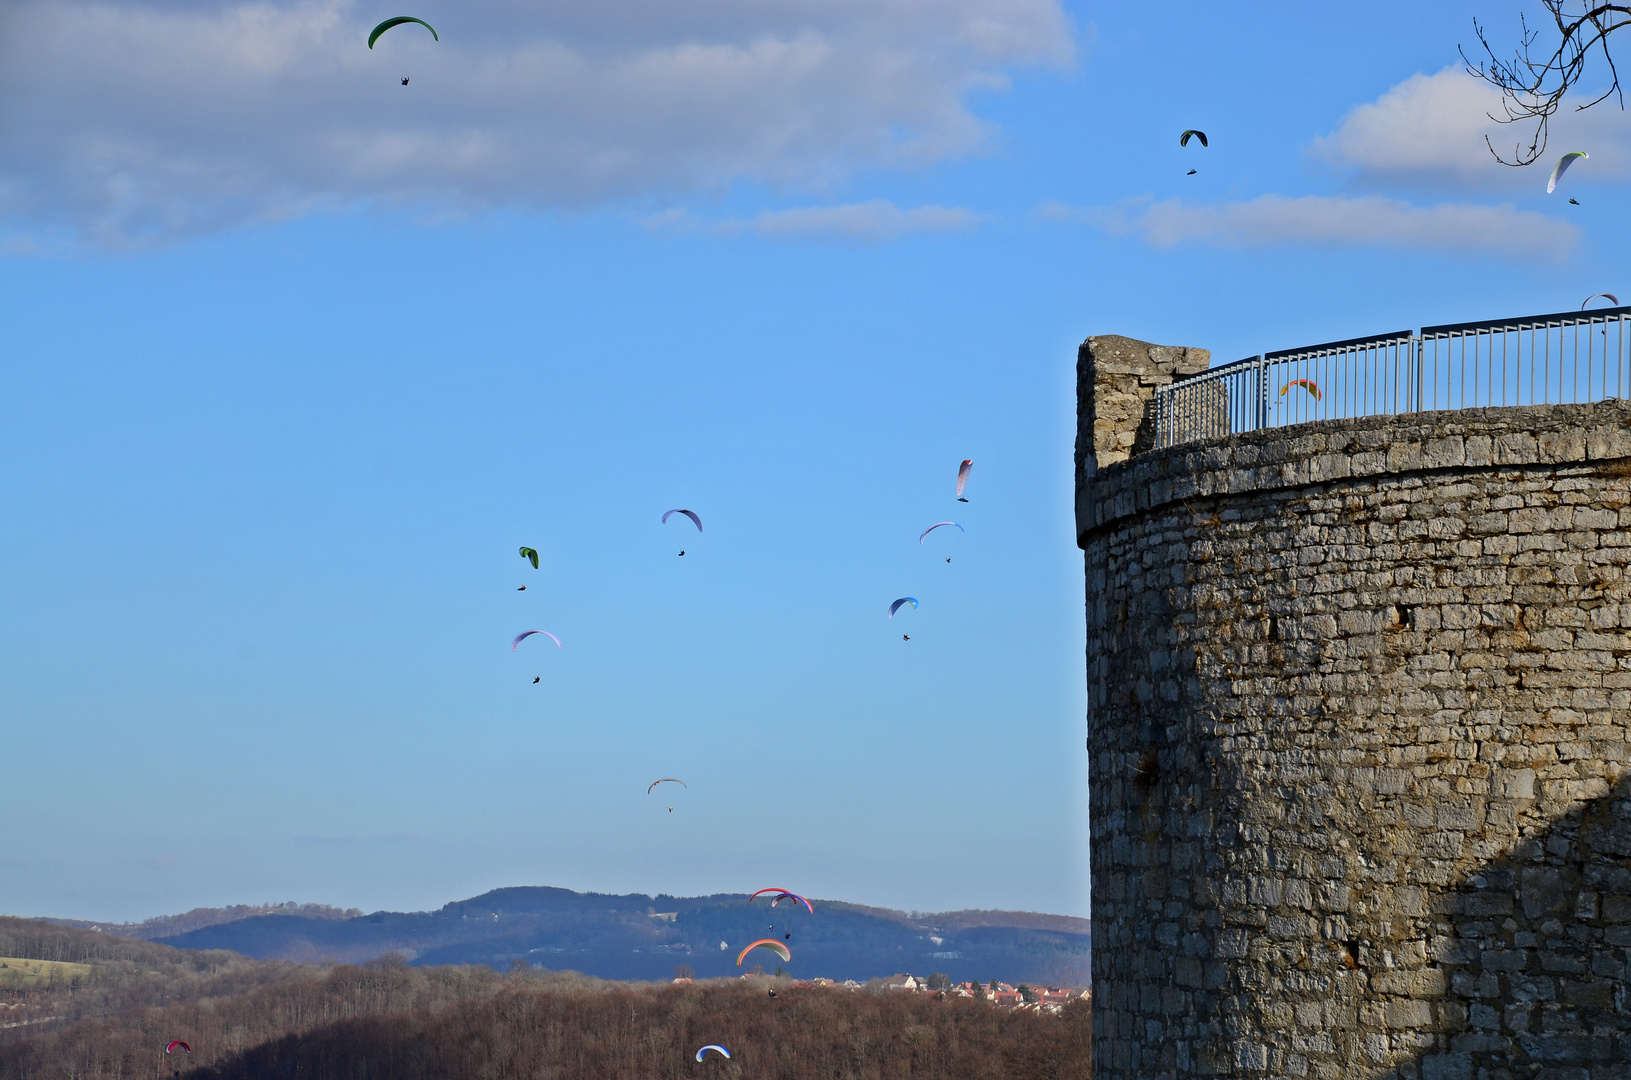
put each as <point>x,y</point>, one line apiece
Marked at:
<point>1570,357</point>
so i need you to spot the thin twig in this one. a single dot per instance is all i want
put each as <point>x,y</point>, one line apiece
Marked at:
<point>1532,90</point>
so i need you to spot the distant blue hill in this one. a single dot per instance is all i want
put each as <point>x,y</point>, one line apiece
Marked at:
<point>645,937</point>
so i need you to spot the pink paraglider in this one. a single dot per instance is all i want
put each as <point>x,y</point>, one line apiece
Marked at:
<point>525,634</point>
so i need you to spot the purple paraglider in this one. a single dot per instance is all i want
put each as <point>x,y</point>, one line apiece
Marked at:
<point>937,525</point>
<point>525,634</point>
<point>694,519</point>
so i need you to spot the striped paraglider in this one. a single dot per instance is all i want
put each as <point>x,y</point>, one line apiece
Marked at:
<point>766,943</point>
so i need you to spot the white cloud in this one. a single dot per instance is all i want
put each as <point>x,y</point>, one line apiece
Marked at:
<point>1429,130</point>
<point>133,120</point>
<point>1356,221</point>
<point>877,219</point>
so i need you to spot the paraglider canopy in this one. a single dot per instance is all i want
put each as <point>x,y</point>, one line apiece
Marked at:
<point>1562,167</point>
<point>766,943</point>
<point>525,634</point>
<point>781,894</point>
<point>962,477</point>
<point>176,1044</point>
<point>795,897</point>
<point>903,600</point>
<point>940,524</point>
<point>669,780</point>
<point>1610,297</point>
<point>715,1047</point>
<point>1307,384</point>
<point>694,519</point>
<point>1183,140</point>
<point>398,21</point>
<point>531,555</point>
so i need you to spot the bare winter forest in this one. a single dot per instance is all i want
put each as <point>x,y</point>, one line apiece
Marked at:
<point>389,1021</point>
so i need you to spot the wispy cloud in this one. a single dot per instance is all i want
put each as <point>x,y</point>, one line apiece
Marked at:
<point>130,121</point>
<point>873,220</point>
<point>877,219</point>
<point>1342,220</point>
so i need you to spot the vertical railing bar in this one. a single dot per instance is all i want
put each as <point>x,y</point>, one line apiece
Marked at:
<point>1391,376</point>
<point>1505,338</point>
<point>1532,367</point>
<point>1436,350</point>
<point>1546,370</point>
<point>1477,344</point>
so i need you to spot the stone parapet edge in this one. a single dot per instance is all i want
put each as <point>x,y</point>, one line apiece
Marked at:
<point>1329,450</point>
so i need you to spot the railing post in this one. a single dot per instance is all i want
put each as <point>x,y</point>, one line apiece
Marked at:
<point>1418,360</point>
<point>1387,374</point>
<point>1262,391</point>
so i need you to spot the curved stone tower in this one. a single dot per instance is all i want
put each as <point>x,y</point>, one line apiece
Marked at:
<point>1359,718</point>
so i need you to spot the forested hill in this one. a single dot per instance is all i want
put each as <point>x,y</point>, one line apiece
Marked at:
<point>645,937</point>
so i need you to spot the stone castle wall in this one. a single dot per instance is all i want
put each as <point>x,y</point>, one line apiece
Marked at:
<point>1359,729</point>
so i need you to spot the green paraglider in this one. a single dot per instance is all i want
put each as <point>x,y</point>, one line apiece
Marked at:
<point>531,555</point>
<point>398,21</point>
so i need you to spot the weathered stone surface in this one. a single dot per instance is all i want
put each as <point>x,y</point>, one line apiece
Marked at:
<point>1359,734</point>
<point>1116,379</point>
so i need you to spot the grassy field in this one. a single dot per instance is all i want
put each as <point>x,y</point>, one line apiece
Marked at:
<point>15,972</point>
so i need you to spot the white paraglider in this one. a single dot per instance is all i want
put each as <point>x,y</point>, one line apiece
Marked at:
<point>1562,167</point>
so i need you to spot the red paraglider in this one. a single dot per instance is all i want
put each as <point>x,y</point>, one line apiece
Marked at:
<point>177,1043</point>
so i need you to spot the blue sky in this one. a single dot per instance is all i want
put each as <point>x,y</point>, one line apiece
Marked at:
<point>295,358</point>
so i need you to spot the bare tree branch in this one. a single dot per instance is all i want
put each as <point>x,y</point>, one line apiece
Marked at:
<point>1533,82</point>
